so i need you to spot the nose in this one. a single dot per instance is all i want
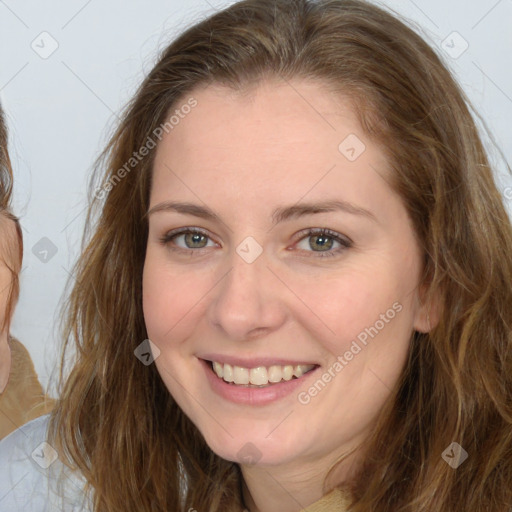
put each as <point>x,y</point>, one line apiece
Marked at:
<point>248,301</point>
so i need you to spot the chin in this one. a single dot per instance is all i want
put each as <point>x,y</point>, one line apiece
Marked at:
<point>254,450</point>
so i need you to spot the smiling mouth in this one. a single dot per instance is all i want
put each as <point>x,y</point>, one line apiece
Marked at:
<point>261,376</point>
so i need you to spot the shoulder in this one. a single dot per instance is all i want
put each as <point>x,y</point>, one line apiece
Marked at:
<point>32,478</point>
<point>19,352</point>
<point>23,379</point>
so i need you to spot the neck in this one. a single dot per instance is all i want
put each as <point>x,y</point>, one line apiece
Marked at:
<point>289,488</point>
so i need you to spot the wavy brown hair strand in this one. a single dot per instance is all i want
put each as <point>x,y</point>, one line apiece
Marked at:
<point>6,177</point>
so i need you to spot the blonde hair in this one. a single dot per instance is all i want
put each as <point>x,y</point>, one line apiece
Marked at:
<point>117,422</point>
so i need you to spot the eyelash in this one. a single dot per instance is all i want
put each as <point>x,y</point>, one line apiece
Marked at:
<point>345,243</point>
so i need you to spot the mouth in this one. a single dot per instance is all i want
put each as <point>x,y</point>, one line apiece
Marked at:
<point>259,377</point>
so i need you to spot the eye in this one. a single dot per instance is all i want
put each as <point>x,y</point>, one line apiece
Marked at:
<point>324,239</point>
<point>193,238</point>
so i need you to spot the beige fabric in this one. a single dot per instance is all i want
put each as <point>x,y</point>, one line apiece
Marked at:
<point>335,501</point>
<point>23,398</point>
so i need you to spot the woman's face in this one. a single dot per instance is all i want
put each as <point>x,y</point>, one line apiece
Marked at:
<point>257,295</point>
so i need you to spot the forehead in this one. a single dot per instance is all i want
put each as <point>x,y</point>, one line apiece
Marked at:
<point>276,139</point>
<point>265,117</point>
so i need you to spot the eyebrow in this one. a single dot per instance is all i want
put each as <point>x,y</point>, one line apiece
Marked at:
<point>279,215</point>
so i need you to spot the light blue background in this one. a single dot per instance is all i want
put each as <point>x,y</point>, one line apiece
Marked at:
<point>61,109</point>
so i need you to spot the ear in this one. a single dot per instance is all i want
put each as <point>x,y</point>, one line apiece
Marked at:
<point>428,310</point>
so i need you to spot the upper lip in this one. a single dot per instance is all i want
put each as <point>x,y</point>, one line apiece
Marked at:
<point>253,362</point>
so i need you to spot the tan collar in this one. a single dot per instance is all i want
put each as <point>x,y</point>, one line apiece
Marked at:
<point>336,500</point>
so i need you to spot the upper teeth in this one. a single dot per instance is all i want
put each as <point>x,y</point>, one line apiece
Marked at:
<point>261,375</point>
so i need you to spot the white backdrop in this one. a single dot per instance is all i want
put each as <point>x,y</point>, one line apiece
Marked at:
<point>68,67</point>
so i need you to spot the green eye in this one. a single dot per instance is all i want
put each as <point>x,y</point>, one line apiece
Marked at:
<point>191,237</point>
<point>324,239</point>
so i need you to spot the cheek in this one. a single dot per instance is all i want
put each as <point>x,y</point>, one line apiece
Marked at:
<point>346,307</point>
<point>371,315</point>
<point>171,299</point>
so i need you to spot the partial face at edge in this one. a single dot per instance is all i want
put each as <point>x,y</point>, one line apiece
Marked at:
<point>9,237</point>
<point>306,298</point>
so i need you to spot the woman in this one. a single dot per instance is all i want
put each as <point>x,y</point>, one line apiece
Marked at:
<point>21,395</point>
<point>376,375</point>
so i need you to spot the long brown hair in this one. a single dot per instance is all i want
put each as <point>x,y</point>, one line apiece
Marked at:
<point>117,422</point>
<point>5,166</point>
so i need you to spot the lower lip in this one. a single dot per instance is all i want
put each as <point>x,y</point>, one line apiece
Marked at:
<point>253,395</point>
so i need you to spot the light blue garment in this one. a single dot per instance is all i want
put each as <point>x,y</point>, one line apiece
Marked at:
<point>30,473</point>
